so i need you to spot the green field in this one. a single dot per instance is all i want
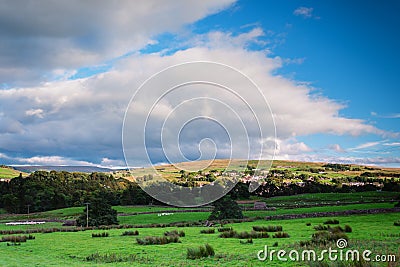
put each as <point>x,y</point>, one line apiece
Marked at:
<point>8,173</point>
<point>374,232</point>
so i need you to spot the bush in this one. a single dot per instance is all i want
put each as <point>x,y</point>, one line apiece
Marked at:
<point>136,232</point>
<point>200,252</point>
<point>226,208</point>
<point>269,228</point>
<point>158,240</point>
<point>104,234</point>
<point>281,235</point>
<point>224,229</point>
<point>207,231</point>
<point>330,221</point>
<point>175,233</point>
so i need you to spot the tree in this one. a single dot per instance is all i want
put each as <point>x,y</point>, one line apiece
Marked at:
<point>100,213</point>
<point>226,208</point>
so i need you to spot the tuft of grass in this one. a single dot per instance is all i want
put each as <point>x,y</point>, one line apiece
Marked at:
<point>228,234</point>
<point>200,252</point>
<point>331,221</point>
<point>158,240</point>
<point>104,234</point>
<point>396,223</point>
<point>281,235</point>
<point>225,229</point>
<point>17,238</point>
<point>321,227</point>
<point>269,228</point>
<point>207,231</point>
<point>136,232</point>
<point>113,258</point>
<point>175,233</point>
<point>248,241</point>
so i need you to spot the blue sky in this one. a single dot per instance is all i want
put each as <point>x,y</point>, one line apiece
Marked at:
<point>66,79</point>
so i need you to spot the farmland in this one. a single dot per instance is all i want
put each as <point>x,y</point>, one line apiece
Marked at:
<point>299,197</point>
<point>375,232</point>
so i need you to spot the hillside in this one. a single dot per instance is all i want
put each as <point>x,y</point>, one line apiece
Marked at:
<point>8,172</point>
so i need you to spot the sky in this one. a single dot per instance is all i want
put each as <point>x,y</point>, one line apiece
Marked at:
<point>328,70</point>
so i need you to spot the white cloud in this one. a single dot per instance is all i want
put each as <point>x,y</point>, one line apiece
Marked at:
<point>35,112</point>
<point>50,38</point>
<point>82,119</point>
<point>305,12</point>
<point>392,144</point>
<point>336,148</point>
<point>390,116</point>
<point>366,145</point>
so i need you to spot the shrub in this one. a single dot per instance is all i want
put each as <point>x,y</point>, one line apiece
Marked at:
<point>330,221</point>
<point>269,228</point>
<point>226,208</point>
<point>207,231</point>
<point>200,252</point>
<point>281,235</point>
<point>158,240</point>
<point>104,234</point>
<point>224,229</point>
<point>136,232</point>
<point>175,233</point>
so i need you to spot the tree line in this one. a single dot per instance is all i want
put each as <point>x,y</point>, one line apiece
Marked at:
<point>44,191</point>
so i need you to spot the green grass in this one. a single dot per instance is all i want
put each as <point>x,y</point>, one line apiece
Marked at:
<point>70,213</point>
<point>372,196</point>
<point>70,249</point>
<point>8,173</point>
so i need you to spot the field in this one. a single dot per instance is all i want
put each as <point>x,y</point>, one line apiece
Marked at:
<point>8,173</point>
<point>375,232</point>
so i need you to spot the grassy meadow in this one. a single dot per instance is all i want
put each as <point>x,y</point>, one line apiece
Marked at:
<point>375,232</point>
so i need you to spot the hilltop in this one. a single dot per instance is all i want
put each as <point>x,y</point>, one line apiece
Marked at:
<point>7,172</point>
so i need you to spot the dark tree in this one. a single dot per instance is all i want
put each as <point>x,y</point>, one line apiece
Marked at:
<point>100,213</point>
<point>226,208</point>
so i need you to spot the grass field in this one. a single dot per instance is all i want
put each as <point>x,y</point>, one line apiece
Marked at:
<point>8,173</point>
<point>373,232</point>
